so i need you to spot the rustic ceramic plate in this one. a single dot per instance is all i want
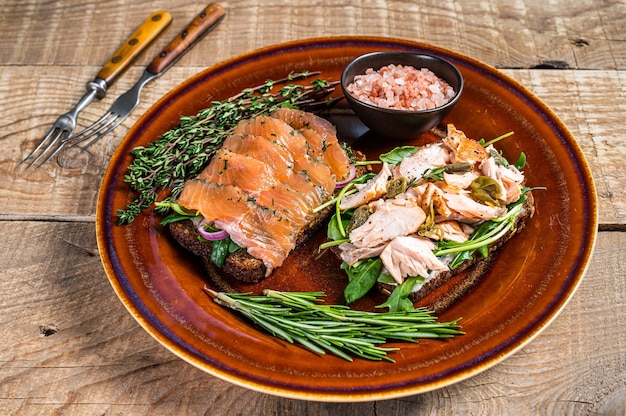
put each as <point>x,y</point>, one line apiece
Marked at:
<point>531,281</point>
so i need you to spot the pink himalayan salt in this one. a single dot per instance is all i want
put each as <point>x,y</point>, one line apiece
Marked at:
<point>401,87</point>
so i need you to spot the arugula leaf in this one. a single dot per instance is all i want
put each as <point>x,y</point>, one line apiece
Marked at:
<point>175,217</point>
<point>521,162</point>
<point>399,300</point>
<point>178,213</point>
<point>396,155</point>
<point>362,276</point>
<point>386,278</point>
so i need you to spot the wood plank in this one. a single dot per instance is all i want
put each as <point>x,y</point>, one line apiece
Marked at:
<point>70,347</point>
<point>579,98</point>
<point>584,34</point>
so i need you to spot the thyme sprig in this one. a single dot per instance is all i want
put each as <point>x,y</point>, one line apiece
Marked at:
<point>182,152</point>
<point>300,318</point>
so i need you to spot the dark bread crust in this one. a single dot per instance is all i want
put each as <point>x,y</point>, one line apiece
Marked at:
<point>239,264</point>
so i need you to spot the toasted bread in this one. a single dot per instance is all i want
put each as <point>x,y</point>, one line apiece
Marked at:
<point>239,264</point>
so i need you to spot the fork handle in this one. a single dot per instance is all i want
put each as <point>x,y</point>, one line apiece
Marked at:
<point>134,45</point>
<point>208,19</point>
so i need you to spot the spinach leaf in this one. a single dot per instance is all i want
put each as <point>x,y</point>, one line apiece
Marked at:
<point>396,155</point>
<point>334,233</point>
<point>399,300</point>
<point>221,249</point>
<point>362,276</point>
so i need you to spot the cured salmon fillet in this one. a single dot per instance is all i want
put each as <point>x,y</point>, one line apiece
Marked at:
<point>264,183</point>
<point>322,138</point>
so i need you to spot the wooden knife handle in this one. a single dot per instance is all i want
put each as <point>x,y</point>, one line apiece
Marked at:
<point>136,43</point>
<point>206,21</point>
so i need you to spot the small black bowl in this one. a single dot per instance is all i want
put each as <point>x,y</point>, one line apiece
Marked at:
<point>401,125</point>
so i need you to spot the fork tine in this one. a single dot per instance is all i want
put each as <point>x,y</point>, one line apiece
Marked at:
<point>39,146</point>
<point>53,142</point>
<point>101,135</point>
<point>94,129</point>
<point>55,145</point>
<point>93,125</point>
<point>56,150</point>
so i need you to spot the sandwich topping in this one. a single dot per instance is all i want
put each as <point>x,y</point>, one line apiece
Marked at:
<point>262,186</point>
<point>423,208</point>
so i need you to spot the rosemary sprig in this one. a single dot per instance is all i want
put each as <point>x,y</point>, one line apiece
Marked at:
<point>182,152</point>
<point>300,318</point>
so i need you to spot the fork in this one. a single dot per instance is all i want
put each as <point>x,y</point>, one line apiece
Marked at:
<point>64,126</point>
<point>203,23</point>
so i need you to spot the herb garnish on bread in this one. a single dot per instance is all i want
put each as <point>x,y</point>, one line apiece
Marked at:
<point>431,213</point>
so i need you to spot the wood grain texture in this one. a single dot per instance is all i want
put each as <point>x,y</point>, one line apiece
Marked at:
<point>71,348</point>
<point>585,34</point>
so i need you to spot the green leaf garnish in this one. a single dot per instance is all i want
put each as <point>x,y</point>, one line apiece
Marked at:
<point>396,155</point>
<point>362,277</point>
<point>399,299</point>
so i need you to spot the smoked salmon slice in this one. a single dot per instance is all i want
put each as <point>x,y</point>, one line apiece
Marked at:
<point>321,136</point>
<point>264,183</point>
<point>248,173</point>
<point>227,202</point>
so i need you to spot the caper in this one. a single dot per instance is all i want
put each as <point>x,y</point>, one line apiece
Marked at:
<point>487,190</point>
<point>396,187</point>
<point>361,214</point>
<point>461,167</point>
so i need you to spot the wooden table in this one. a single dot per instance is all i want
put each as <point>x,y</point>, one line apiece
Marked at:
<point>70,347</point>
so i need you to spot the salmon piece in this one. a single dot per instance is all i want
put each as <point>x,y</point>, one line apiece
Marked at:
<point>299,120</point>
<point>463,148</point>
<point>351,253</point>
<point>460,180</point>
<point>321,137</point>
<point>434,196</point>
<point>265,234</point>
<point>274,129</point>
<point>262,149</point>
<point>213,200</point>
<point>317,172</point>
<point>296,206</point>
<point>262,186</point>
<point>293,142</point>
<point>391,218</point>
<point>433,155</point>
<point>469,210</point>
<point>452,231</point>
<point>410,256</point>
<point>248,173</point>
<point>370,190</point>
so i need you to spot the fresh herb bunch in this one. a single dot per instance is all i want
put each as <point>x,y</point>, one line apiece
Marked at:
<point>182,152</point>
<point>299,317</point>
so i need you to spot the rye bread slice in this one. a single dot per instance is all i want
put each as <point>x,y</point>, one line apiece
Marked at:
<point>239,265</point>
